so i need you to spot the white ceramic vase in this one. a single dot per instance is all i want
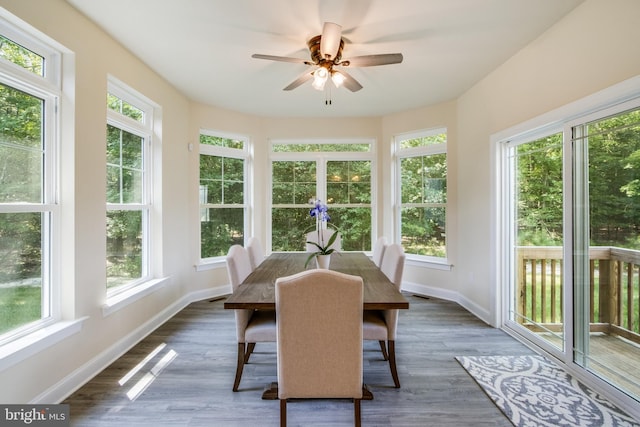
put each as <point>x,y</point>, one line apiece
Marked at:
<point>322,261</point>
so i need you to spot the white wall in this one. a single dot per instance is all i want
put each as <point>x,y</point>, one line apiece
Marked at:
<point>593,47</point>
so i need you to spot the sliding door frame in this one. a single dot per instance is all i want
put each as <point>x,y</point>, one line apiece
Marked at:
<point>615,99</point>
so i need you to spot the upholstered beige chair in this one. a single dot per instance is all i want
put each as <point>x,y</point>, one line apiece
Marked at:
<point>325,235</point>
<point>252,326</point>
<point>381,325</point>
<point>378,250</point>
<point>256,253</point>
<point>319,318</point>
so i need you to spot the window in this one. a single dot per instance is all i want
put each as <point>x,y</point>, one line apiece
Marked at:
<point>29,210</point>
<point>336,172</point>
<point>129,129</point>
<point>223,208</point>
<point>422,169</point>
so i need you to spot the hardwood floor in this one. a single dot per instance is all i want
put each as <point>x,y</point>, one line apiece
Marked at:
<point>182,374</point>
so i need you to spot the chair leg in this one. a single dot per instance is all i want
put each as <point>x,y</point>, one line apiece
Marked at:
<point>392,362</point>
<point>383,349</point>
<point>247,354</point>
<point>239,366</point>
<point>356,411</point>
<point>283,412</point>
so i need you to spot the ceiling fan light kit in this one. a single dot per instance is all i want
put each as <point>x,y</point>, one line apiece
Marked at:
<point>326,53</point>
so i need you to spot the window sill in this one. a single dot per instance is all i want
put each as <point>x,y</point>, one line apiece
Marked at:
<point>129,296</point>
<point>433,263</point>
<point>29,345</point>
<point>211,264</point>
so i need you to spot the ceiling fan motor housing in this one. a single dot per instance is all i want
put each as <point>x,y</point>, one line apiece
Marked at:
<point>316,55</point>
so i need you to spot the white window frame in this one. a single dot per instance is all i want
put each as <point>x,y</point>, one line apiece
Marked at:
<point>235,153</point>
<point>321,159</point>
<point>47,88</point>
<point>441,263</point>
<point>144,130</point>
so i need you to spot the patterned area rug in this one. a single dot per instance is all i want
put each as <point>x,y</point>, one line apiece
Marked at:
<point>533,391</point>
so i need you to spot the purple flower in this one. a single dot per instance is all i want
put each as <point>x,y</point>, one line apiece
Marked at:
<point>321,215</point>
<point>319,211</point>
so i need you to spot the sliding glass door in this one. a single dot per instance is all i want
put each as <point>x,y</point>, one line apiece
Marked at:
<point>607,248</point>
<point>536,238</point>
<point>571,204</point>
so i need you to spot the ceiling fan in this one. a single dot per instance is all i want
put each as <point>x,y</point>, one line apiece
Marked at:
<point>326,57</point>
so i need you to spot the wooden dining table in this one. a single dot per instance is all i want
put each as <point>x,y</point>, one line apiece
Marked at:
<point>257,291</point>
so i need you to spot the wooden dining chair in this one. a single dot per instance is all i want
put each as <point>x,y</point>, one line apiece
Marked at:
<point>325,235</point>
<point>319,318</point>
<point>252,326</point>
<point>381,325</point>
<point>378,250</point>
<point>256,253</point>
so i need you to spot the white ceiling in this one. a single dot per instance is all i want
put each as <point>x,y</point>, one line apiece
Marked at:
<point>204,47</point>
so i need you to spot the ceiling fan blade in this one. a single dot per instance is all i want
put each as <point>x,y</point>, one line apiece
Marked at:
<point>330,41</point>
<point>373,60</point>
<point>280,58</point>
<point>300,80</point>
<point>349,82</point>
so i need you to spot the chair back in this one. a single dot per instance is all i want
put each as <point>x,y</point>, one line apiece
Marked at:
<point>393,263</point>
<point>319,338</point>
<point>378,250</point>
<point>238,265</point>
<point>324,235</point>
<point>256,253</point>
<point>393,267</point>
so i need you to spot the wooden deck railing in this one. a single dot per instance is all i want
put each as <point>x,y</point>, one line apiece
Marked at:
<point>613,287</point>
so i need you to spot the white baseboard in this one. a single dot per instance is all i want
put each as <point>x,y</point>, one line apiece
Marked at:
<point>445,294</point>
<point>72,382</point>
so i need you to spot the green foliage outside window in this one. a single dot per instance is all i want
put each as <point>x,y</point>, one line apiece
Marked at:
<point>21,150</point>
<point>294,182</point>
<point>20,269</point>
<point>21,181</point>
<point>124,166</point>
<point>21,56</point>
<point>424,198</point>
<point>125,191</point>
<point>124,186</point>
<point>614,181</point>
<point>348,189</point>
<point>355,227</point>
<point>219,141</point>
<point>349,182</point>
<point>319,147</point>
<point>539,192</point>
<point>614,185</point>
<point>117,104</point>
<point>222,197</point>
<point>124,247</point>
<point>423,141</point>
<point>289,226</point>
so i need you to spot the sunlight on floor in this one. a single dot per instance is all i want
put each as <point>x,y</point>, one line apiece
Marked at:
<point>141,385</point>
